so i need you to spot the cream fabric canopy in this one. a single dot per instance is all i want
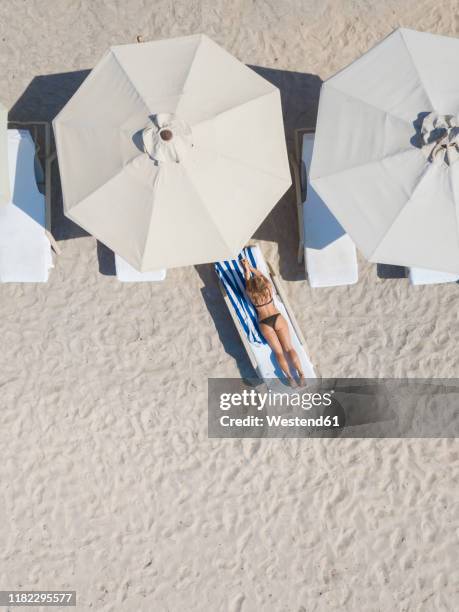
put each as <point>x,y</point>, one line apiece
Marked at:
<point>4,176</point>
<point>386,156</point>
<point>172,152</point>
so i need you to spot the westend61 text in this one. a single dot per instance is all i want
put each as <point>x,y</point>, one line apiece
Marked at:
<point>278,421</point>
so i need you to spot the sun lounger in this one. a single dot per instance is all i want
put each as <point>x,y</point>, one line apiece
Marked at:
<point>4,174</point>
<point>127,274</point>
<point>422,276</point>
<point>329,253</point>
<point>244,316</point>
<point>25,249</point>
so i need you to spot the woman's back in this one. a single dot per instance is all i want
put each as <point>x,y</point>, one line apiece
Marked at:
<point>260,293</point>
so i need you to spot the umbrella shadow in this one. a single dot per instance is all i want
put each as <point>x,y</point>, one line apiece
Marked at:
<point>137,139</point>
<point>389,271</point>
<point>224,325</point>
<point>324,227</point>
<point>106,259</point>
<point>300,93</point>
<point>416,139</point>
<point>42,100</point>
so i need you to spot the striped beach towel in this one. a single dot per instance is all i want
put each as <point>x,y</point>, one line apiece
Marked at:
<point>232,276</point>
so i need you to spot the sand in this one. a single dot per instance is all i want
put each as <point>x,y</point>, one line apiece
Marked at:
<point>110,485</point>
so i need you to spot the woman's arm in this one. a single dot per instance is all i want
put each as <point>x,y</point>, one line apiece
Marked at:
<point>246,267</point>
<point>257,272</point>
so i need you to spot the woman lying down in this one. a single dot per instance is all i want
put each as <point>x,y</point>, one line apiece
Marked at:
<point>272,324</point>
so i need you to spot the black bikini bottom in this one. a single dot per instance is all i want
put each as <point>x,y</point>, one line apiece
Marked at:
<point>271,321</point>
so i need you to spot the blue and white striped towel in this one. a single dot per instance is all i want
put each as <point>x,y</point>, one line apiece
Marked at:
<point>232,276</point>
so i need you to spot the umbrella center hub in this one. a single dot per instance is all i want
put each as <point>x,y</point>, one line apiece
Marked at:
<point>440,138</point>
<point>166,134</point>
<point>167,139</point>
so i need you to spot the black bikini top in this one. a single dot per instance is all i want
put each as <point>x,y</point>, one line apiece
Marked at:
<point>265,304</point>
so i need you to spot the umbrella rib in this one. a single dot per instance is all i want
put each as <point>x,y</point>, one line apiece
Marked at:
<point>422,177</point>
<point>151,220</point>
<point>386,115</point>
<point>105,183</point>
<point>209,211</point>
<point>249,165</point>
<point>228,110</point>
<point>201,38</point>
<point>182,92</point>
<point>206,208</point>
<point>329,85</point>
<point>238,106</point>
<point>234,159</point>
<point>130,81</point>
<point>367,163</point>
<point>410,55</point>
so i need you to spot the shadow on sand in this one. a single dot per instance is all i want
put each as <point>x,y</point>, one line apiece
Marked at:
<point>106,258</point>
<point>42,100</point>
<point>299,94</point>
<point>300,99</point>
<point>224,325</point>
<point>387,271</point>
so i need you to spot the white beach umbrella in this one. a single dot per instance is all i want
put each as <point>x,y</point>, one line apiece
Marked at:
<point>172,152</point>
<point>386,154</point>
<point>4,176</point>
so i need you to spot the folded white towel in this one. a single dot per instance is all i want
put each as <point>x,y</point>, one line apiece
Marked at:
<point>127,274</point>
<point>422,276</point>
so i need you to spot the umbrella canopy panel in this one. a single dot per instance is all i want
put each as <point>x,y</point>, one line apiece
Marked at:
<point>386,149</point>
<point>172,152</point>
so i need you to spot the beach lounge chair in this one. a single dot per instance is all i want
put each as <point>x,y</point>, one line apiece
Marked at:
<point>244,316</point>
<point>329,253</point>
<point>422,276</point>
<point>127,274</point>
<point>25,241</point>
<point>4,174</point>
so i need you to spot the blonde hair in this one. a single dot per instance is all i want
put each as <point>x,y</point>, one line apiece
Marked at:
<point>258,288</point>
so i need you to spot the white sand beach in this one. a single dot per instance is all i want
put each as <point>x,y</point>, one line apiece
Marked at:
<point>110,485</point>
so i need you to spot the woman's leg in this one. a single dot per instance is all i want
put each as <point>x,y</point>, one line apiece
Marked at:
<point>271,338</point>
<point>283,335</point>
